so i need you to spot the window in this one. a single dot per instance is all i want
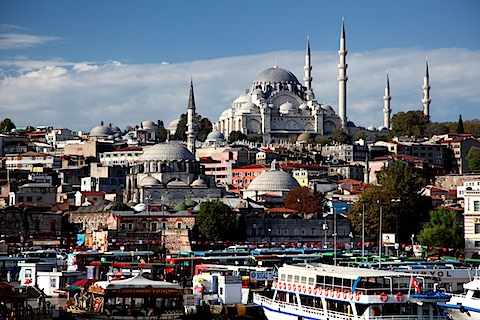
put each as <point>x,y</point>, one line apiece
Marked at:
<point>53,282</point>
<point>476,205</point>
<point>476,228</point>
<point>477,244</point>
<point>123,226</point>
<point>154,226</point>
<point>130,226</point>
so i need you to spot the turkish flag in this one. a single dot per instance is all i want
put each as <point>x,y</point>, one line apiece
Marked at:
<point>416,285</point>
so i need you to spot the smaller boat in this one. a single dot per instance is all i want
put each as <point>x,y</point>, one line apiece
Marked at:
<point>466,305</point>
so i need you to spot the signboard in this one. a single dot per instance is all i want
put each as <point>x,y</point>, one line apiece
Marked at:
<point>388,239</point>
<point>261,275</point>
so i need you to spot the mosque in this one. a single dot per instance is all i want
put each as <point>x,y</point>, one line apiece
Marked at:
<point>280,108</point>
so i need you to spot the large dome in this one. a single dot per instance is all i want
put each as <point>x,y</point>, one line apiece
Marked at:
<point>166,152</point>
<point>274,75</point>
<point>273,180</point>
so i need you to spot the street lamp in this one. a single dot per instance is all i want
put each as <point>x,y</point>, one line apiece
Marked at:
<point>148,200</point>
<point>363,229</point>
<point>335,235</point>
<point>325,229</point>
<point>165,197</point>
<point>380,237</point>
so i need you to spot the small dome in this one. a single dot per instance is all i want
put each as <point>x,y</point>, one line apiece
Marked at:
<point>257,91</point>
<point>101,131</point>
<point>199,183</point>
<point>191,203</point>
<point>148,181</point>
<point>303,107</point>
<point>276,75</point>
<point>371,128</point>
<point>381,128</point>
<point>287,107</point>
<point>327,107</point>
<point>115,129</point>
<point>166,151</point>
<point>215,135</point>
<point>304,137</point>
<point>273,180</point>
<point>149,125</point>
<point>180,207</point>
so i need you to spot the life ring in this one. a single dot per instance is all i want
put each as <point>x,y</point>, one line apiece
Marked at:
<point>290,286</point>
<point>399,297</point>
<point>284,286</point>
<point>96,306</point>
<point>309,290</point>
<point>274,284</point>
<point>299,288</point>
<point>345,294</point>
<point>383,297</point>
<point>315,291</point>
<point>357,296</point>
<point>294,287</point>
<point>350,295</point>
<point>304,289</point>
<point>338,293</point>
<point>332,293</point>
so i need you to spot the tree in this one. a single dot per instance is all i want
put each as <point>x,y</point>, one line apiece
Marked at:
<point>217,221</point>
<point>473,158</point>
<point>411,123</point>
<point>161,131</point>
<point>236,136</point>
<point>6,125</point>
<point>443,230</point>
<point>181,131</point>
<point>399,196</point>
<point>340,136</point>
<point>203,127</point>
<point>254,138</point>
<point>460,128</point>
<point>306,201</point>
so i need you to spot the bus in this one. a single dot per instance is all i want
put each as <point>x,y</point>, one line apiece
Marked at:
<point>80,260</point>
<point>10,264</point>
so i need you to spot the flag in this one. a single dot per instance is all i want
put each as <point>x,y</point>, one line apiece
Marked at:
<point>416,285</point>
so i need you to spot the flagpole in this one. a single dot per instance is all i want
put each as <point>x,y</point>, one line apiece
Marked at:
<point>410,287</point>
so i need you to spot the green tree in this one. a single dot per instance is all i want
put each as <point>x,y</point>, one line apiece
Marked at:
<point>437,128</point>
<point>236,136</point>
<point>217,221</point>
<point>254,138</point>
<point>398,194</point>
<point>411,123</point>
<point>443,230</point>
<point>181,131</point>
<point>305,201</point>
<point>473,158</point>
<point>340,136</point>
<point>161,131</point>
<point>203,129</point>
<point>460,128</point>
<point>6,125</point>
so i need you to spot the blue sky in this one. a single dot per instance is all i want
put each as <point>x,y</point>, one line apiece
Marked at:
<point>76,63</point>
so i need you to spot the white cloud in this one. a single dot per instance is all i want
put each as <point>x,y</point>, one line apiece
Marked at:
<point>79,95</point>
<point>10,41</point>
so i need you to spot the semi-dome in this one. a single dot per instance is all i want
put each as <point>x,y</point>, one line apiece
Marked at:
<point>243,98</point>
<point>273,180</point>
<point>327,107</point>
<point>276,75</point>
<point>148,181</point>
<point>287,107</point>
<point>249,107</point>
<point>101,131</point>
<point>303,107</point>
<point>166,152</point>
<point>199,183</point>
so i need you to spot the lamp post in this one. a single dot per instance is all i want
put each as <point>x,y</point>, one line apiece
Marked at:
<point>325,229</point>
<point>334,238</point>
<point>363,229</point>
<point>380,237</point>
<point>148,199</point>
<point>164,198</point>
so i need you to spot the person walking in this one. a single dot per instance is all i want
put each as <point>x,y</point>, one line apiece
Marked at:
<point>9,276</point>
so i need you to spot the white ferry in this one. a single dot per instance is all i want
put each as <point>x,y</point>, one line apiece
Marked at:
<point>322,292</point>
<point>467,305</point>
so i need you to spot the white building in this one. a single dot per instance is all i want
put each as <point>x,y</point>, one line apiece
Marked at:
<point>471,215</point>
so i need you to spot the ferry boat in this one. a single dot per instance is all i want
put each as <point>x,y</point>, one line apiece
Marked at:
<point>467,305</point>
<point>322,292</point>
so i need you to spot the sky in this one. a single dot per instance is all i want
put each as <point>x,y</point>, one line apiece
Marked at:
<point>75,64</point>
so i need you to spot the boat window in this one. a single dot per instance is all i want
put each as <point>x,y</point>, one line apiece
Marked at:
<point>303,280</point>
<point>311,281</point>
<point>296,279</point>
<point>289,278</point>
<point>282,277</point>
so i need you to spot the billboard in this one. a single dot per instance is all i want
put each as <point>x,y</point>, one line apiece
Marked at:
<point>388,239</point>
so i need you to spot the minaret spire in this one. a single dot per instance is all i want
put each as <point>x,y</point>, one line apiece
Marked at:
<point>426,92</point>
<point>342,78</point>
<point>191,120</point>
<point>308,67</point>
<point>387,111</point>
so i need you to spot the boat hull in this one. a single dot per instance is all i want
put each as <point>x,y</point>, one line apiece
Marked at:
<point>467,311</point>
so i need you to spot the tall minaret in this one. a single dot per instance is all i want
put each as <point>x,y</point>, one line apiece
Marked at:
<point>308,68</point>
<point>387,111</point>
<point>426,92</point>
<point>191,121</point>
<point>342,78</point>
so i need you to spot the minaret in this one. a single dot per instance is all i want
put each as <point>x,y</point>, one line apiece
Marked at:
<point>387,111</point>
<point>342,78</point>
<point>191,121</point>
<point>426,93</point>
<point>308,68</point>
